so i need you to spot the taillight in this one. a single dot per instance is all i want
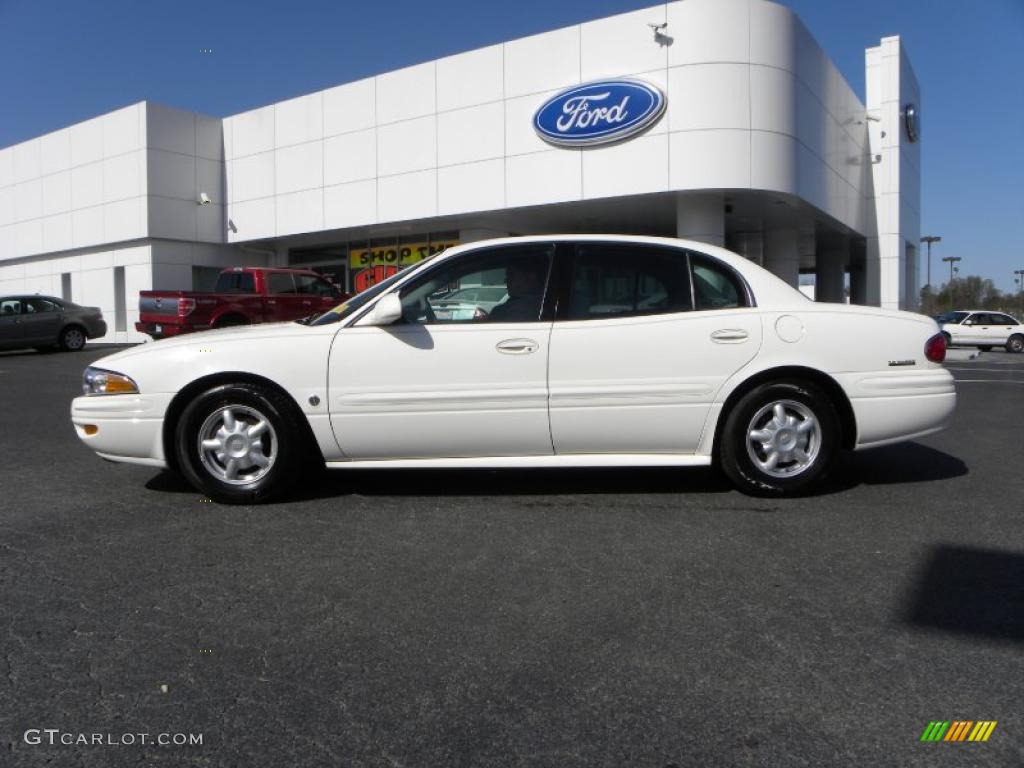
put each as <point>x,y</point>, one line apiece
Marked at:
<point>935,348</point>
<point>185,307</point>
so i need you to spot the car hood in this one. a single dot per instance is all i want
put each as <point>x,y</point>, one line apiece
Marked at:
<point>232,335</point>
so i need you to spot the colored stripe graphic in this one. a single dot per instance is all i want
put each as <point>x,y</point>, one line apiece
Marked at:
<point>935,730</point>
<point>983,730</point>
<point>958,730</point>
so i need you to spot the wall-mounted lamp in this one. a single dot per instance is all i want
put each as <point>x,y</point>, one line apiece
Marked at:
<point>204,199</point>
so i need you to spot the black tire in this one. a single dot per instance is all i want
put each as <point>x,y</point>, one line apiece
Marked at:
<point>949,339</point>
<point>801,402</point>
<point>985,348</point>
<point>1015,343</point>
<point>72,338</point>
<point>209,470</point>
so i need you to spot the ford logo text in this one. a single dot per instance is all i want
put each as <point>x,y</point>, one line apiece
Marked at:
<point>598,113</point>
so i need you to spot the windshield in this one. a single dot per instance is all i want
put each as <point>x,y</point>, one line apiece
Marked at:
<point>345,309</point>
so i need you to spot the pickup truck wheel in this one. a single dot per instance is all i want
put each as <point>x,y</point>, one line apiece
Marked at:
<point>779,439</point>
<point>236,443</point>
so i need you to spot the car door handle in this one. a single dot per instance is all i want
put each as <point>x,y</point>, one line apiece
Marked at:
<point>517,346</point>
<point>729,334</point>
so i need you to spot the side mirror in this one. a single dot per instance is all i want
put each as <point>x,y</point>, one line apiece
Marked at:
<point>388,310</point>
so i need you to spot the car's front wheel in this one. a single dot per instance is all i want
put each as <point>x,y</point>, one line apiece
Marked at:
<point>236,443</point>
<point>779,439</point>
<point>1015,343</point>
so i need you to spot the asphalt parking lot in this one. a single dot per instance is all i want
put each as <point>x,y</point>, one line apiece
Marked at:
<point>589,618</point>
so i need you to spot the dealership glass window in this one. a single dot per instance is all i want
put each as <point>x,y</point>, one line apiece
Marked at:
<point>611,280</point>
<point>204,278</point>
<point>519,274</point>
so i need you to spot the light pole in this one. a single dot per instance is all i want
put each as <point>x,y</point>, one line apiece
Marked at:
<point>952,260</point>
<point>929,239</point>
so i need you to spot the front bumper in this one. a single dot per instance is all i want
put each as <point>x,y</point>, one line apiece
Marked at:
<point>128,428</point>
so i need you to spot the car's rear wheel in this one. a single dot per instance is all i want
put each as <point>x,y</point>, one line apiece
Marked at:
<point>72,339</point>
<point>236,443</point>
<point>780,438</point>
<point>949,339</point>
<point>1015,343</point>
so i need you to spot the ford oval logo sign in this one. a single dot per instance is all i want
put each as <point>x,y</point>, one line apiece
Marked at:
<point>598,113</point>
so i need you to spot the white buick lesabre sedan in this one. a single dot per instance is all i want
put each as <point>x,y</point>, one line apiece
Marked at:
<point>607,351</point>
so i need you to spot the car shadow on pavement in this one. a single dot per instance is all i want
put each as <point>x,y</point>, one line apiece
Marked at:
<point>487,482</point>
<point>892,464</point>
<point>905,463</point>
<point>971,591</point>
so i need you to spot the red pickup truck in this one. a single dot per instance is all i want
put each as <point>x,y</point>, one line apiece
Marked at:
<point>243,295</point>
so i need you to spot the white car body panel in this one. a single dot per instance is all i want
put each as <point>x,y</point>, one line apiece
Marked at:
<point>629,385</point>
<point>445,389</point>
<point>644,390</point>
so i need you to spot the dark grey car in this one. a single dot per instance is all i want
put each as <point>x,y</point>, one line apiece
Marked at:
<point>43,322</point>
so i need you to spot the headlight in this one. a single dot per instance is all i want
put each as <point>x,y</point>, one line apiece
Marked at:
<point>96,381</point>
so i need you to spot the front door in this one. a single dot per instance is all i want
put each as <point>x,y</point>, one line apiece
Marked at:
<point>441,383</point>
<point>637,356</point>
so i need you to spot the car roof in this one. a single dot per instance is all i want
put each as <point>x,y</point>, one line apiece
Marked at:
<point>33,296</point>
<point>766,287</point>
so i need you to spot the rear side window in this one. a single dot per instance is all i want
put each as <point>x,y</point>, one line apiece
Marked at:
<point>236,282</point>
<point>615,280</point>
<point>280,282</point>
<point>715,286</point>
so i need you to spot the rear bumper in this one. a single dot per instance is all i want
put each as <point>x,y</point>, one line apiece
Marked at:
<point>128,428</point>
<point>96,329</point>
<point>163,330</point>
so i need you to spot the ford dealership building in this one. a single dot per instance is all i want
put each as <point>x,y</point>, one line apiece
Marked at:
<point>717,120</point>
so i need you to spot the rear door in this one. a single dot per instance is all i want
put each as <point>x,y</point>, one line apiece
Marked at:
<point>41,320</point>
<point>644,338</point>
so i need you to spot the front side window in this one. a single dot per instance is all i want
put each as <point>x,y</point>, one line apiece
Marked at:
<point>502,285</point>
<point>612,280</point>
<point>10,307</point>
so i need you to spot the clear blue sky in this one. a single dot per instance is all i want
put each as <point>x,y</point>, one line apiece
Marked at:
<point>62,62</point>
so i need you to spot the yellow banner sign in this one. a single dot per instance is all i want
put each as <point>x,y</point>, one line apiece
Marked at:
<point>395,255</point>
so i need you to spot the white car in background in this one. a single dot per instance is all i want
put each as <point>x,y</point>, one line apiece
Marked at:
<point>982,329</point>
<point>624,351</point>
